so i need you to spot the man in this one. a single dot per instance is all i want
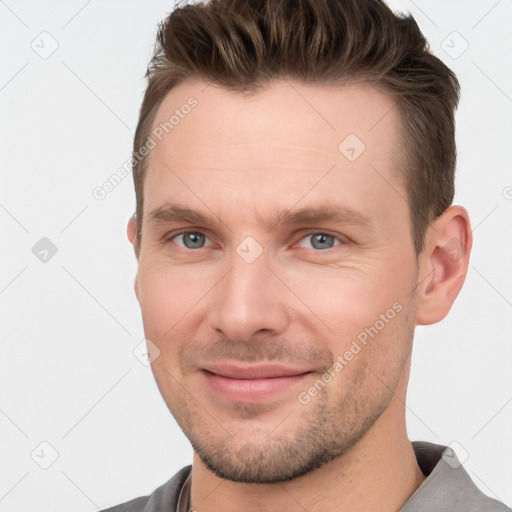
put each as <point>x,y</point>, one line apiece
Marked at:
<point>294,172</point>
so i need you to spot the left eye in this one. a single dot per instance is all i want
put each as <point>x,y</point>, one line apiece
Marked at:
<point>320,241</point>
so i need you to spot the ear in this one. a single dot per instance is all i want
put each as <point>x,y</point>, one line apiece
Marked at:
<point>131,231</point>
<point>443,265</point>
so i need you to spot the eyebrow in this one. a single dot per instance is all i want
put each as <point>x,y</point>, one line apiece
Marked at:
<point>168,213</point>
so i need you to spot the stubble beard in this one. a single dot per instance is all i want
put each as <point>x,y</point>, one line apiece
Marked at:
<point>323,434</point>
<point>323,430</point>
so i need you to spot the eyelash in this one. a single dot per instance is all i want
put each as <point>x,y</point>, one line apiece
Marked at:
<point>338,238</point>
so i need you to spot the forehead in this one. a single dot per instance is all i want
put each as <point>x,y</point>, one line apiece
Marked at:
<point>285,136</point>
<point>315,117</point>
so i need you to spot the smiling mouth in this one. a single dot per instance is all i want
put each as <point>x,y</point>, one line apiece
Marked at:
<point>252,383</point>
<point>263,371</point>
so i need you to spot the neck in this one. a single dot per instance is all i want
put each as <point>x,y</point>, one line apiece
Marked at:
<point>380,472</point>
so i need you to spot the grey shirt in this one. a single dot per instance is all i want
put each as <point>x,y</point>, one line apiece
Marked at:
<point>447,488</point>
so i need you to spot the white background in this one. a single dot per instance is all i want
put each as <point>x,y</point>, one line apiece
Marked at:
<point>70,325</point>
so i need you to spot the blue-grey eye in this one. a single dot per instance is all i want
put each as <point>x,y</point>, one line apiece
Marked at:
<point>191,240</point>
<point>320,241</point>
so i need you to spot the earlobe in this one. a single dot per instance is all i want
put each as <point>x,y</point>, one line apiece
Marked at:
<point>443,265</point>
<point>136,287</point>
<point>131,229</point>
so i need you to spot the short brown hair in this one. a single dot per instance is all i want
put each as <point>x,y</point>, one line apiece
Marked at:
<point>242,45</point>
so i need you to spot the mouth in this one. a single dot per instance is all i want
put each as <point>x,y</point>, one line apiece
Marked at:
<point>252,383</point>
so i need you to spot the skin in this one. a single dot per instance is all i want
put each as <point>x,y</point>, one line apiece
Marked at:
<point>238,159</point>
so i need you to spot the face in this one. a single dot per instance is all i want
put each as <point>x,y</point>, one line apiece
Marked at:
<point>276,273</point>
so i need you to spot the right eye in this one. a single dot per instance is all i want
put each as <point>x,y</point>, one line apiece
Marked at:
<point>190,239</point>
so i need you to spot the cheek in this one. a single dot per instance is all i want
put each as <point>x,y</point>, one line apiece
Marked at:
<point>371,359</point>
<point>343,302</point>
<point>167,294</point>
<point>174,302</point>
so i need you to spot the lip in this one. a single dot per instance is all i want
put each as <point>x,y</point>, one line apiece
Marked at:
<point>262,371</point>
<point>252,383</point>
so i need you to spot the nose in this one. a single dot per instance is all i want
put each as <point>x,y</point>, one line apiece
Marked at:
<point>249,299</point>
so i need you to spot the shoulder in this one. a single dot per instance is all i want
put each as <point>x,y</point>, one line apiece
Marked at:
<point>164,498</point>
<point>448,487</point>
